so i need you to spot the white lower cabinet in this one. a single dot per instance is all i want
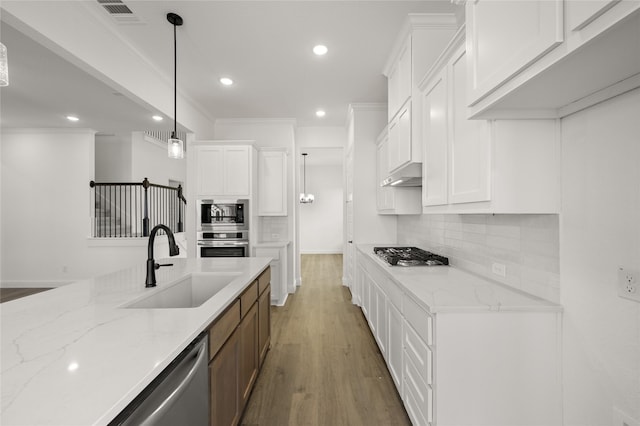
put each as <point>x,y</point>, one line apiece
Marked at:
<point>464,367</point>
<point>278,265</point>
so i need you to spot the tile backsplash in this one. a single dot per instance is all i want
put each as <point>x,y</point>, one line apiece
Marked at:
<point>528,245</point>
<point>273,228</point>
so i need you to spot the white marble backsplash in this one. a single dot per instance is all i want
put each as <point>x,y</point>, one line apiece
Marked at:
<point>528,245</point>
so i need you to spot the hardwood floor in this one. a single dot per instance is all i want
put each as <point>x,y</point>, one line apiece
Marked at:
<point>7,294</point>
<point>324,367</point>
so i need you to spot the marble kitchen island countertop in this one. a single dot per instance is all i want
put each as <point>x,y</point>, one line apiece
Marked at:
<point>449,289</point>
<point>72,356</point>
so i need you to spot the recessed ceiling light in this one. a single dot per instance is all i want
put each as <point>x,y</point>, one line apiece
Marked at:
<point>157,117</point>
<point>72,118</point>
<point>226,81</point>
<point>320,113</point>
<point>320,50</point>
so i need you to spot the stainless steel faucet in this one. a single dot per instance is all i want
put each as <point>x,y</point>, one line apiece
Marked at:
<point>174,250</point>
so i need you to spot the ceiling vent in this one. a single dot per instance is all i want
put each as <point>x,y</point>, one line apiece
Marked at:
<point>119,11</point>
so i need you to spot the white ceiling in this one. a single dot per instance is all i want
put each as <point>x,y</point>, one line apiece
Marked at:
<point>265,46</point>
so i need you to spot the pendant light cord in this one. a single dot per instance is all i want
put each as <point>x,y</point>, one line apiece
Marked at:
<point>175,83</point>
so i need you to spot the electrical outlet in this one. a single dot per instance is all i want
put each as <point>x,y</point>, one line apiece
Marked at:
<point>499,269</point>
<point>275,236</point>
<point>622,419</point>
<point>628,286</point>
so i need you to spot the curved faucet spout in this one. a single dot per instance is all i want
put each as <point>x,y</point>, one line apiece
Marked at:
<point>174,250</point>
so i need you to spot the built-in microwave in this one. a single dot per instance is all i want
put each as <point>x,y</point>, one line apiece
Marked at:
<point>221,215</point>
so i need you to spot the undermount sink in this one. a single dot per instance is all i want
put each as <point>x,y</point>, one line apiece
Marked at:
<point>189,292</point>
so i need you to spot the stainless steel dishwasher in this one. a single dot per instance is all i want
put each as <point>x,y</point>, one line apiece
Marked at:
<point>179,396</point>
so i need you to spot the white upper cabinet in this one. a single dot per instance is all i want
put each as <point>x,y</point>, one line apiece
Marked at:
<point>391,199</point>
<point>223,171</point>
<point>417,47</point>
<point>272,182</point>
<point>549,58</point>
<point>399,80</point>
<point>505,36</point>
<point>469,141</point>
<point>435,173</point>
<point>479,166</point>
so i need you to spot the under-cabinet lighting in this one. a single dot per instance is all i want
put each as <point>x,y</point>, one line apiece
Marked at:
<point>398,182</point>
<point>226,81</point>
<point>72,118</point>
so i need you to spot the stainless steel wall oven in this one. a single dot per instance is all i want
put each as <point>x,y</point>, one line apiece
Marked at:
<point>223,228</point>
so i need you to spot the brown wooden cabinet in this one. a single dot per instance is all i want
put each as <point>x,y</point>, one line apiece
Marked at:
<point>249,356</point>
<point>225,386</point>
<point>238,342</point>
<point>264,323</point>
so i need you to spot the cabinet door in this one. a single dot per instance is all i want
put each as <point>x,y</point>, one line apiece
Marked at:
<point>503,37</point>
<point>469,143</point>
<point>272,183</point>
<point>435,142</point>
<point>237,171</point>
<point>405,82</point>
<point>223,374</point>
<point>394,347</point>
<point>249,353</point>
<point>210,166</point>
<point>381,332</point>
<point>384,194</point>
<point>264,323</point>
<point>404,153</point>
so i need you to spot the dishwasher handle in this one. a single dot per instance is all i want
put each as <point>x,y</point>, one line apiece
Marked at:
<point>166,405</point>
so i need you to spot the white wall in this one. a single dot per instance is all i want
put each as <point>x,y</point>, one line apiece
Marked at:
<point>45,217</point>
<point>321,225</point>
<point>600,231</point>
<point>149,159</point>
<point>113,159</point>
<point>45,204</point>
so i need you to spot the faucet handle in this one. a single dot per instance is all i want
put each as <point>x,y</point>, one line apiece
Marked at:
<point>158,265</point>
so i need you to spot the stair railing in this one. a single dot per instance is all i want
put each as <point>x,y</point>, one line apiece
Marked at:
<point>132,209</point>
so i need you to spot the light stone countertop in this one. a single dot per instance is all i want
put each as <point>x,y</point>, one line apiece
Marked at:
<point>71,356</point>
<point>449,289</point>
<point>273,244</point>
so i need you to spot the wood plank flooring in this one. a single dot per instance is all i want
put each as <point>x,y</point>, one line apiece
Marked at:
<point>7,294</point>
<point>324,367</point>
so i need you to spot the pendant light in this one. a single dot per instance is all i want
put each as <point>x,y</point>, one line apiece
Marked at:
<point>4,66</point>
<point>175,145</point>
<point>304,197</point>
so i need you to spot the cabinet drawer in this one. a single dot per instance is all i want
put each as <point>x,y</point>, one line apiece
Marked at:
<point>248,298</point>
<point>419,319</point>
<point>223,327</point>
<point>264,280</point>
<point>419,353</point>
<point>418,395</point>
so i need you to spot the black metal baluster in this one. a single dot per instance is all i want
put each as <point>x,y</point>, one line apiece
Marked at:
<point>145,220</point>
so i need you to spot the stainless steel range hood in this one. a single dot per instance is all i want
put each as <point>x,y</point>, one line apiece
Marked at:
<point>409,175</point>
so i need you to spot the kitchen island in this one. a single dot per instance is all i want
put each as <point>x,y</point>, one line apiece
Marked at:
<point>75,355</point>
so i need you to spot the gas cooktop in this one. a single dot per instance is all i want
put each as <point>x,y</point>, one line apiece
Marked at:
<point>409,256</point>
